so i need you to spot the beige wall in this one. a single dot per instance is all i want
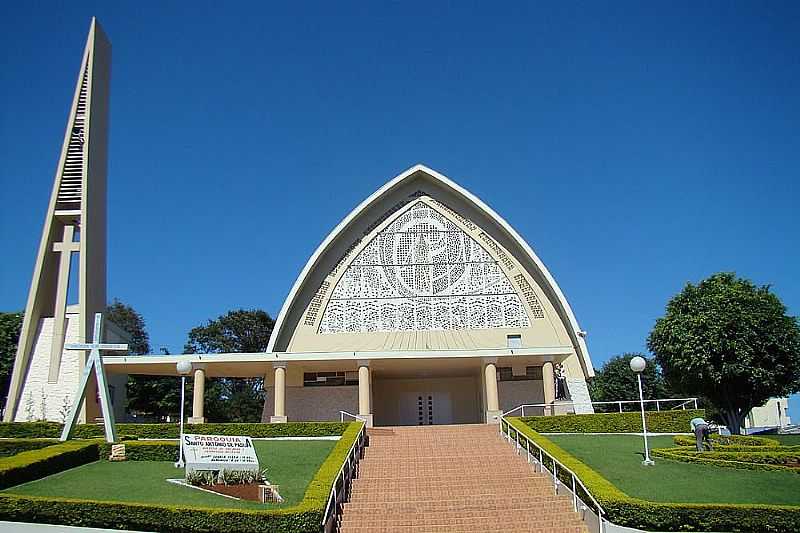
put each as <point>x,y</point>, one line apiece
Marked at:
<point>515,393</point>
<point>389,394</point>
<point>314,403</point>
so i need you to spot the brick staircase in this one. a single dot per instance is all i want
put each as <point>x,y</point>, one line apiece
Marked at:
<point>452,478</point>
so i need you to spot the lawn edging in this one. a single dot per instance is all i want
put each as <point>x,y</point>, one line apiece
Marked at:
<point>305,517</point>
<point>172,431</point>
<point>657,422</point>
<point>625,510</point>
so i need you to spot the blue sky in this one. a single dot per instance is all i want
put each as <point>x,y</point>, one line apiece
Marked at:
<point>636,146</point>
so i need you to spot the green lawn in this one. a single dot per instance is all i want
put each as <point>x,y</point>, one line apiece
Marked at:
<point>289,464</point>
<point>786,440</point>
<point>618,458</point>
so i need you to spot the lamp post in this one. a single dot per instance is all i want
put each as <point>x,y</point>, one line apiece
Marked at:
<point>637,365</point>
<point>184,368</point>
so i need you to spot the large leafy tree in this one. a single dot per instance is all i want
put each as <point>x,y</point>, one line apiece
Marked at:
<point>10,326</point>
<point>730,341</point>
<point>239,331</point>
<point>616,381</point>
<point>151,396</point>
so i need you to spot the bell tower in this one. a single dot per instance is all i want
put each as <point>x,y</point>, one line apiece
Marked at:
<point>75,224</point>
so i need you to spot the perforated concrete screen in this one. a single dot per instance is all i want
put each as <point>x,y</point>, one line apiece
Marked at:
<point>422,272</point>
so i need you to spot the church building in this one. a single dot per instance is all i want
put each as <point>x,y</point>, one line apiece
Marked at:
<point>423,306</point>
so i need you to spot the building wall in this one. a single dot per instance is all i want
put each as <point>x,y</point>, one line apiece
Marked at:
<point>392,396</point>
<point>514,393</point>
<point>313,403</point>
<point>41,400</point>
<point>767,414</point>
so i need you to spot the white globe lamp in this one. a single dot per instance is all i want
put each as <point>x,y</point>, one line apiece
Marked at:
<point>638,365</point>
<point>184,368</point>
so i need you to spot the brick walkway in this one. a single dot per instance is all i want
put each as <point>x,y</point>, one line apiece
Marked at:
<point>452,478</point>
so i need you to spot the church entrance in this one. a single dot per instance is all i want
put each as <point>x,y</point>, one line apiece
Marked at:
<point>425,400</point>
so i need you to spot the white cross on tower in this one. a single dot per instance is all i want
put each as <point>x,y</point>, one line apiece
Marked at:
<point>65,248</point>
<point>94,361</point>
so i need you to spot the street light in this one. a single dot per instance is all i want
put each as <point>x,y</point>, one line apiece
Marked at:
<point>637,365</point>
<point>183,368</point>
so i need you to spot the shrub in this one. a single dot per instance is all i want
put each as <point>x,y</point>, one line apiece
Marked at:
<point>152,450</point>
<point>727,440</point>
<point>34,464</point>
<point>9,447</point>
<point>657,422</point>
<point>305,517</point>
<point>762,459</point>
<point>627,511</point>
<point>171,431</point>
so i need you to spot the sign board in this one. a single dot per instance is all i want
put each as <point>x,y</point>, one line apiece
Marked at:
<point>219,452</point>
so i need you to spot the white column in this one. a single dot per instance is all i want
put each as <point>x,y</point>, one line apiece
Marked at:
<point>280,394</point>
<point>364,383</point>
<point>549,385</point>
<point>198,396</point>
<point>492,400</point>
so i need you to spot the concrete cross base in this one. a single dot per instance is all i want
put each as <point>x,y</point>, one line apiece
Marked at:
<point>277,420</point>
<point>197,420</point>
<point>493,417</point>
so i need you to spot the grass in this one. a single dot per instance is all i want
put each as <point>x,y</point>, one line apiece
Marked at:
<point>289,464</point>
<point>786,440</point>
<point>618,458</point>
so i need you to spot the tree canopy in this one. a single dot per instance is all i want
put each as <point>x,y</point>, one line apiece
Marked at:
<point>10,327</point>
<point>616,381</point>
<point>239,331</point>
<point>731,342</point>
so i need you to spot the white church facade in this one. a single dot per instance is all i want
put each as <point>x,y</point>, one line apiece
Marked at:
<point>423,306</point>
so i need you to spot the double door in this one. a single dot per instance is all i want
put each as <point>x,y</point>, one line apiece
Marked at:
<point>426,408</point>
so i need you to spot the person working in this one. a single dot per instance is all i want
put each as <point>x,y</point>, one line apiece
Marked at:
<point>702,433</point>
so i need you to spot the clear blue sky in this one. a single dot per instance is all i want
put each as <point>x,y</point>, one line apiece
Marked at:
<point>635,146</point>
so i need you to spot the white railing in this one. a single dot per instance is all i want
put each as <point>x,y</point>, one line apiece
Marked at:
<point>343,479</point>
<point>551,407</point>
<point>538,455</point>
<point>343,414</point>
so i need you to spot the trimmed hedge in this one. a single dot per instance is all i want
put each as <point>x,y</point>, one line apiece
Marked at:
<point>657,422</point>
<point>35,464</point>
<point>627,511</point>
<point>171,431</point>
<point>305,517</point>
<point>9,447</point>
<point>727,440</point>
<point>767,460</point>
<point>148,450</point>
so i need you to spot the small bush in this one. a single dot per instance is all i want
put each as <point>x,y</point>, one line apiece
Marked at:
<point>35,464</point>
<point>657,422</point>
<point>727,440</point>
<point>171,431</point>
<point>9,447</point>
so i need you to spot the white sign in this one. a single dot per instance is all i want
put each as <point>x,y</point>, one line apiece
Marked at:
<point>219,452</point>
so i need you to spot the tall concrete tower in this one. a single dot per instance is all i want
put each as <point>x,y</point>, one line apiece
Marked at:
<point>45,376</point>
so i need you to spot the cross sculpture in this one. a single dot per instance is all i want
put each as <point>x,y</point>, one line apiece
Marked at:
<point>94,361</point>
<point>65,249</point>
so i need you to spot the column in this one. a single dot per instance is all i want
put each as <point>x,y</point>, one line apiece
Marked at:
<point>493,412</point>
<point>364,382</point>
<point>198,395</point>
<point>549,384</point>
<point>280,394</point>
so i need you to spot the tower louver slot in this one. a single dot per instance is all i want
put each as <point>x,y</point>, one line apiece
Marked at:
<point>70,188</point>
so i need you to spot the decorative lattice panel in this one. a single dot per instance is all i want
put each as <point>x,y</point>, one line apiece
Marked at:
<point>423,272</point>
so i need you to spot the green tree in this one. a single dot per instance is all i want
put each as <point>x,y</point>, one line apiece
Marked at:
<point>151,396</point>
<point>240,331</point>
<point>731,342</point>
<point>616,381</point>
<point>10,326</point>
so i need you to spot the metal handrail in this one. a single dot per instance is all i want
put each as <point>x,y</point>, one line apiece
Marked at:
<point>576,481</point>
<point>552,406</point>
<point>351,461</point>
<point>343,414</point>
